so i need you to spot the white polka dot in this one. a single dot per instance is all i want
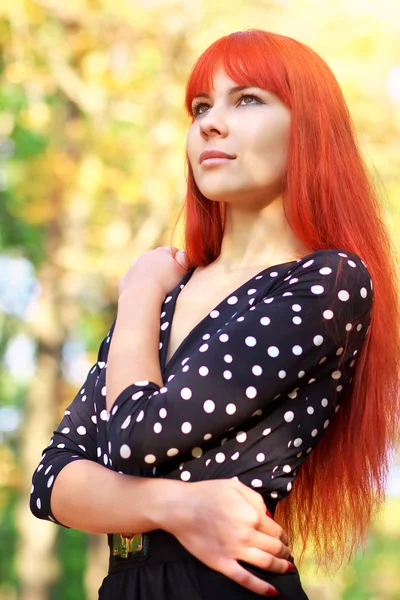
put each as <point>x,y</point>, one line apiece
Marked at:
<point>359,327</point>
<point>149,459</point>
<point>273,351</point>
<point>209,406</point>
<point>163,390</point>
<point>241,437</point>
<point>228,358</point>
<point>273,274</point>
<point>301,374</point>
<point>282,374</point>
<point>363,292</point>
<point>164,326</point>
<point>325,271</point>
<point>185,475</point>
<point>314,432</point>
<point>324,402</point>
<point>328,314</point>
<point>186,393</point>
<point>65,430</point>
<point>81,430</point>
<point>274,494</point>
<point>137,395</point>
<point>343,295</point>
<point>256,370</point>
<point>296,307</point>
<point>48,469</point>
<point>339,388</point>
<point>297,350</point>
<point>288,416</point>
<point>167,299</point>
<point>235,456</point>
<point>39,503</point>
<point>203,348</point>
<point>125,451</point>
<point>232,300</point>
<point>326,423</point>
<point>336,375</point>
<point>318,339</point>
<point>40,467</point>
<point>342,254</point>
<point>227,374</point>
<point>323,359</point>
<point>172,452</point>
<point>142,382</point>
<point>293,280</point>
<point>105,459</point>
<point>114,409</point>
<point>289,486</point>
<point>268,300</point>
<point>352,263</point>
<point>126,422</point>
<point>219,457</point>
<point>163,413</point>
<point>297,442</point>
<point>197,452</point>
<point>267,431</point>
<point>251,392</point>
<point>293,394</point>
<point>265,321</point>
<point>256,483</point>
<point>310,410</point>
<point>104,415</point>
<point>157,428</point>
<point>207,436</point>
<point>186,427</point>
<point>317,289</point>
<point>103,390</point>
<point>250,341</point>
<point>339,351</point>
<point>230,409</point>
<point>286,468</point>
<point>140,416</point>
<point>224,337</point>
<point>297,320</point>
<point>260,457</point>
<point>349,327</point>
<point>308,263</point>
<point>214,314</point>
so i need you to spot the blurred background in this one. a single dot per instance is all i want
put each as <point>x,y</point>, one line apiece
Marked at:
<point>92,143</point>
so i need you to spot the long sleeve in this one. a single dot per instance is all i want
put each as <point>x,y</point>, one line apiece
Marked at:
<point>310,326</point>
<point>74,439</point>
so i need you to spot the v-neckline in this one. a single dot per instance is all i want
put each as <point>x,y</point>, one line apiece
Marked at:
<point>237,291</point>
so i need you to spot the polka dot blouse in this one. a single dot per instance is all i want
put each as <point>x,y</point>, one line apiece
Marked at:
<point>248,393</point>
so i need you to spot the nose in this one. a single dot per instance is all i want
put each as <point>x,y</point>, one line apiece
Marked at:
<point>214,122</point>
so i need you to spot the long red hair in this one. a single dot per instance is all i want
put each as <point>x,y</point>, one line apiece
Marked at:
<point>330,202</point>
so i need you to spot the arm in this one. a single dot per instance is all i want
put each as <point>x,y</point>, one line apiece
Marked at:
<point>319,299</point>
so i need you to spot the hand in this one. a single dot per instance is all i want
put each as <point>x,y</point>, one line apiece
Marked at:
<point>165,266</point>
<point>223,521</point>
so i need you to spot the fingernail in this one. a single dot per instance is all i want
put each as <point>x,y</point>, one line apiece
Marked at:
<point>272,592</point>
<point>291,567</point>
<point>269,514</point>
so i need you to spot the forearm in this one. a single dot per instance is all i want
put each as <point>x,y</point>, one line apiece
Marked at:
<point>91,498</point>
<point>133,354</point>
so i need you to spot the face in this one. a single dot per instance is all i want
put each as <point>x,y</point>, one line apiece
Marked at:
<point>254,129</point>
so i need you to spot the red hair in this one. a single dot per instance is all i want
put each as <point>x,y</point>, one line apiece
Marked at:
<point>330,203</point>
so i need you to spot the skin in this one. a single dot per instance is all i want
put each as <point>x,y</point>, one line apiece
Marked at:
<point>257,233</point>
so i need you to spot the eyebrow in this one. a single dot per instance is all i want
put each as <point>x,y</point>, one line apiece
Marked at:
<point>232,90</point>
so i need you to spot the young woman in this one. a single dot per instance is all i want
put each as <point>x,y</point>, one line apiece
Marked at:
<point>258,370</point>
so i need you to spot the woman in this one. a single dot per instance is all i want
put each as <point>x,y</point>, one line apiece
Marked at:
<point>269,368</point>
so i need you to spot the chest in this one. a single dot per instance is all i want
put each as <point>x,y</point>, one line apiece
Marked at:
<point>195,301</point>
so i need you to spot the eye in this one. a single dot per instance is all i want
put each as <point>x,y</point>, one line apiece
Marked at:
<point>196,106</point>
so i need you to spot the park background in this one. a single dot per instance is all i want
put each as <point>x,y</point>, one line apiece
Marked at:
<point>92,139</point>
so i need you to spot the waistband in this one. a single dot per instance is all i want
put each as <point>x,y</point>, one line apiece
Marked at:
<point>152,547</point>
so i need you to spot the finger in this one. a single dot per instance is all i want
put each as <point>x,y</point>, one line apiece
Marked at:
<point>231,568</point>
<point>252,496</point>
<point>265,560</point>
<point>269,544</point>
<point>272,528</point>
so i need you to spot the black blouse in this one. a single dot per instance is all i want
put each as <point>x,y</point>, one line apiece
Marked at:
<point>247,394</point>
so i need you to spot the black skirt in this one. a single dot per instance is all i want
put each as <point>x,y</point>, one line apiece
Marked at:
<point>165,570</point>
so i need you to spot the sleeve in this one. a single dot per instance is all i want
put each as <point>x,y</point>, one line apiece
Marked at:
<point>74,439</point>
<point>323,305</point>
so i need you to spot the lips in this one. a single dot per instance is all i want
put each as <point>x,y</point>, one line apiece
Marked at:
<point>213,154</point>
